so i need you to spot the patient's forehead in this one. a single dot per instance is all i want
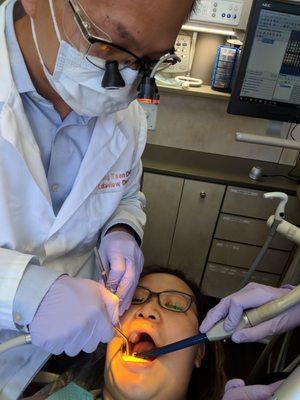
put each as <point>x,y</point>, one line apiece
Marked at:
<point>159,282</point>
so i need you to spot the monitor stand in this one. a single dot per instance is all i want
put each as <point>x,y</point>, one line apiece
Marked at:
<point>274,129</point>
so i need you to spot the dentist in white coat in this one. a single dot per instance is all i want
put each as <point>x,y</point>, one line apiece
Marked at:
<point>70,169</point>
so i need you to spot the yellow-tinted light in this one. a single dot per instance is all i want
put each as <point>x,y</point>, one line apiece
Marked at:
<point>134,359</point>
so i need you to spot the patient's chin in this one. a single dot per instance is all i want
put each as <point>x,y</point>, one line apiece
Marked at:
<point>134,382</point>
<point>132,389</point>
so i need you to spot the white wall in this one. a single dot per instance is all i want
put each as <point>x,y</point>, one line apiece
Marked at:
<point>202,124</point>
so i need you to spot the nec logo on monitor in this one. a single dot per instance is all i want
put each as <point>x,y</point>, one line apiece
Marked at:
<point>266,5</point>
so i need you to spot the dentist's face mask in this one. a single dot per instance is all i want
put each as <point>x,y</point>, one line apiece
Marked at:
<point>78,81</point>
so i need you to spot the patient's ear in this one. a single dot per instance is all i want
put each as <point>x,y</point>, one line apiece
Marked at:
<point>199,356</point>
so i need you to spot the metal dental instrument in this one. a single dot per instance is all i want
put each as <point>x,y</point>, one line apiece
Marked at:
<point>100,266</point>
<point>250,318</point>
<point>103,272</point>
<point>125,340</point>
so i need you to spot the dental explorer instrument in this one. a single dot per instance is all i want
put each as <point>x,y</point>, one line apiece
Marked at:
<point>103,272</point>
<point>250,318</point>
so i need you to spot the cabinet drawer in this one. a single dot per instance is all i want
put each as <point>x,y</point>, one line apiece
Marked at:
<point>220,280</point>
<point>249,231</point>
<point>251,203</point>
<point>243,255</point>
<point>198,213</point>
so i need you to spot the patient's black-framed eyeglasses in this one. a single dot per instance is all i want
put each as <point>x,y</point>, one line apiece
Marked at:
<point>171,300</point>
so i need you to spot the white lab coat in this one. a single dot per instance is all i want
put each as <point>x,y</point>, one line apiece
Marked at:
<point>105,192</point>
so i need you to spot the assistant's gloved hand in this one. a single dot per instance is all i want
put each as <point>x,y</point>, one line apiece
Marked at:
<point>252,295</point>
<point>236,390</point>
<point>76,314</point>
<point>124,259</point>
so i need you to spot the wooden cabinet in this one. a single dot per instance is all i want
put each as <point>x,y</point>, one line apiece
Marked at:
<point>197,217</point>
<point>212,232</point>
<point>181,218</point>
<point>163,195</point>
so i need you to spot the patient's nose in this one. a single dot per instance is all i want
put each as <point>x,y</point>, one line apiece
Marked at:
<point>149,310</point>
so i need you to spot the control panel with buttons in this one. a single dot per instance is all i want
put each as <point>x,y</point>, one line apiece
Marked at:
<point>225,12</point>
<point>183,50</point>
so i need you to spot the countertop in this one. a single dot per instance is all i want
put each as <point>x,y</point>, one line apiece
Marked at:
<point>215,168</point>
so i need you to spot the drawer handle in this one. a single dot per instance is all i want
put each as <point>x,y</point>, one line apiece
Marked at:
<point>202,195</point>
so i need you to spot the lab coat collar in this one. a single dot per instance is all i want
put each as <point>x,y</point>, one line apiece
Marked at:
<point>14,125</point>
<point>19,70</point>
<point>6,82</point>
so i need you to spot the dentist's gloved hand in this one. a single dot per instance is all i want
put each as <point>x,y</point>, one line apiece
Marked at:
<point>236,390</point>
<point>252,295</point>
<point>75,314</point>
<point>124,259</point>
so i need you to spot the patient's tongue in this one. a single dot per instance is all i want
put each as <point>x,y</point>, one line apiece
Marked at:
<point>143,346</point>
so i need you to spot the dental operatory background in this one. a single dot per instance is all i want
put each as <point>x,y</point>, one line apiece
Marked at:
<point>222,162</point>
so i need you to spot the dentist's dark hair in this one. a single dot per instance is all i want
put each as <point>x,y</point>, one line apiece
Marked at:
<point>208,381</point>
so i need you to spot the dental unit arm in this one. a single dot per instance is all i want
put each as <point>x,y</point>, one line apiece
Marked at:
<point>283,197</point>
<point>278,218</point>
<point>250,318</point>
<point>287,230</point>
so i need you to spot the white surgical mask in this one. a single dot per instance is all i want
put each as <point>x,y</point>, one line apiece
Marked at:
<point>78,82</point>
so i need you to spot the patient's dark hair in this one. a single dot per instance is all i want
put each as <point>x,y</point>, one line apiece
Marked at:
<point>207,382</point>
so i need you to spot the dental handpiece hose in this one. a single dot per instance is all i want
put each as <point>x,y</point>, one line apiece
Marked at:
<point>250,319</point>
<point>15,342</point>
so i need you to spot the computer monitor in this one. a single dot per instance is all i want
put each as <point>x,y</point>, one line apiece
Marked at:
<point>267,83</point>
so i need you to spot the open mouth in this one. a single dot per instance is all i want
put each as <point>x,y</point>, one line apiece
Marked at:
<point>140,342</point>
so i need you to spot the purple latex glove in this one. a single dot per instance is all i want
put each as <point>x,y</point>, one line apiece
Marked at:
<point>236,390</point>
<point>252,295</point>
<point>124,259</point>
<point>75,314</point>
